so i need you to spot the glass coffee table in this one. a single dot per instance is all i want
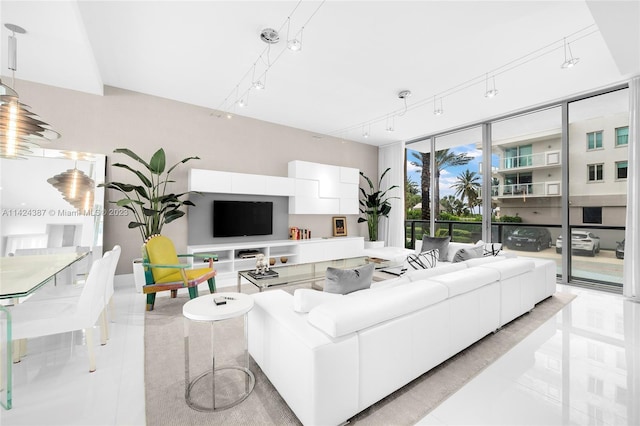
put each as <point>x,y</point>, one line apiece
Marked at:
<point>304,273</point>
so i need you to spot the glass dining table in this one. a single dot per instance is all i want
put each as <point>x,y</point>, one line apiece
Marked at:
<point>21,276</point>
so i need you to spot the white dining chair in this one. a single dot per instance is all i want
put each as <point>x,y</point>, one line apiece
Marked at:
<point>65,314</point>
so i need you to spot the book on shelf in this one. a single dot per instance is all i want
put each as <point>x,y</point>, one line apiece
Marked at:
<point>296,233</point>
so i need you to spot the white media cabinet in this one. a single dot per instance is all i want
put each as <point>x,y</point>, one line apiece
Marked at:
<point>296,251</point>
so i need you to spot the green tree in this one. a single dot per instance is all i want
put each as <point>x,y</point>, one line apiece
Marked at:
<point>467,186</point>
<point>411,196</point>
<point>444,159</point>
<point>453,206</point>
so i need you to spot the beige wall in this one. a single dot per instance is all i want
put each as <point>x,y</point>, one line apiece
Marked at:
<point>124,119</point>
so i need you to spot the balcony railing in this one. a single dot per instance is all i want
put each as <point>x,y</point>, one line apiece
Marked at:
<point>541,159</point>
<point>539,189</point>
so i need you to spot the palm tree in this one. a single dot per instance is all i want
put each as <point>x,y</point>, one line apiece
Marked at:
<point>467,186</point>
<point>453,206</point>
<point>444,159</point>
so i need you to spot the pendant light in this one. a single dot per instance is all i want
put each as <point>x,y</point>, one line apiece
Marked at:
<point>570,61</point>
<point>20,128</point>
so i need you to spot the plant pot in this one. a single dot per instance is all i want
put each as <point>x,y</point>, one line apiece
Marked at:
<point>373,244</point>
<point>138,275</point>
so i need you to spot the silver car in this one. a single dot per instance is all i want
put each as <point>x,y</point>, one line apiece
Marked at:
<point>581,241</point>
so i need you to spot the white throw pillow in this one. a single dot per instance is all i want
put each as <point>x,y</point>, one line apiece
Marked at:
<point>425,260</point>
<point>305,299</point>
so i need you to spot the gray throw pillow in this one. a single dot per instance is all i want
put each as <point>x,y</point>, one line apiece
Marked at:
<point>439,243</point>
<point>468,253</point>
<point>344,281</point>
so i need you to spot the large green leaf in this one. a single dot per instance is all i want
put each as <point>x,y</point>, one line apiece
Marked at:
<point>142,177</point>
<point>133,155</point>
<point>184,160</point>
<point>158,161</point>
<point>173,215</point>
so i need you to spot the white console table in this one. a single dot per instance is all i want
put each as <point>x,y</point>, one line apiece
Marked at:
<point>296,251</point>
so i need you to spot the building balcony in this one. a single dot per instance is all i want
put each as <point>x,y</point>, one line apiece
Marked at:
<point>540,189</point>
<point>547,159</point>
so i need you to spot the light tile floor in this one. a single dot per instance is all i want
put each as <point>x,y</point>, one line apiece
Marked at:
<point>581,367</point>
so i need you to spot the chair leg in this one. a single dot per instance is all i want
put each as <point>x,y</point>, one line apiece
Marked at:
<point>151,300</point>
<point>104,329</point>
<point>212,285</point>
<point>193,292</point>
<point>92,357</point>
<point>174,294</point>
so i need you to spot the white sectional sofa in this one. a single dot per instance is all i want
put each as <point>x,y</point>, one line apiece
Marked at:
<point>331,356</point>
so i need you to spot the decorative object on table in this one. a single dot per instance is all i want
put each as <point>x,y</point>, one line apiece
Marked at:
<point>272,261</point>
<point>148,200</point>
<point>339,226</point>
<point>374,205</point>
<point>262,265</point>
<point>163,270</point>
<point>284,259</point>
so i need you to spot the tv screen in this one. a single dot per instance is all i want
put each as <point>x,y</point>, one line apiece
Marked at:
<point>242,218</point>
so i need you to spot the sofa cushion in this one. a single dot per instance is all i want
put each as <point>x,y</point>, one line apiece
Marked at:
<point>377,285</point>
<point>305,299</point>
<point>344,281</point>
<point>467,280</point>
<point>510,267</point>
<point>350,314</point>
<point>454,247</point>
<point>468,253</point>
<point>483,260</point>
<point>439,243</point>
<point>439,270</point>
<point>425,260</point>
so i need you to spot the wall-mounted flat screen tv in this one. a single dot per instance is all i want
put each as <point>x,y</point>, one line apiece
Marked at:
<point>242,218</point>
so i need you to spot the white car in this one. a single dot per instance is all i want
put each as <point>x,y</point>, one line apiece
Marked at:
<point>581,241</point>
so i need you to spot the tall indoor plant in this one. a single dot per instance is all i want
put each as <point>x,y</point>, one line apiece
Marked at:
<point>374,204</point>
<point>148,200</point>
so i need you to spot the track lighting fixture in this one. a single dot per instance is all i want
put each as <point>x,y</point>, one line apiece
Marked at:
<point>437,110</point>
<point>404,94</point>
<point>570,61</point>
<point>490,93</point>
<point>294,44</point>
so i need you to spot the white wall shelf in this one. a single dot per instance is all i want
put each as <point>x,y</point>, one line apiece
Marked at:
<point>312,188</point>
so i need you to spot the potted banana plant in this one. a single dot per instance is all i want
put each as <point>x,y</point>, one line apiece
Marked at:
<point>148,198</point>
<point>374,204</point>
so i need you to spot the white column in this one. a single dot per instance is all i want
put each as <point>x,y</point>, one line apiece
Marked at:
<point>631,269</point>
<point>391,229</point>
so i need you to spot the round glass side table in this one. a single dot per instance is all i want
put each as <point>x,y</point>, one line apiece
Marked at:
<point>204,309</point>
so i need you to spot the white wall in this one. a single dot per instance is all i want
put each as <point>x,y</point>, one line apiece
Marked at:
<point>124,119</point>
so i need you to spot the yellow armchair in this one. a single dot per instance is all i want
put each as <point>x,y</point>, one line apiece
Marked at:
<point>163,270</point>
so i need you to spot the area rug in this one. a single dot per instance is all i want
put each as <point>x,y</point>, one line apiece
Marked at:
<point>165,383</point>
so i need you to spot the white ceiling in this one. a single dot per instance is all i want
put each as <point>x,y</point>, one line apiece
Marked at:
<point>356,56</point>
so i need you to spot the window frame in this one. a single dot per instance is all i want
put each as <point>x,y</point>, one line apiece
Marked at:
<point>595,140</point>
<point>617,169</point>
<point>617,136</point>
<point>595,165</point>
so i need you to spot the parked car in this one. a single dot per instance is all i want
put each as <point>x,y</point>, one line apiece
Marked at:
<point>581,241</point>
<point>529,238</point>
<point>620,249</point>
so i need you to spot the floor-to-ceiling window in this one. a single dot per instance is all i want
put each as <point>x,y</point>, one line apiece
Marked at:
<point>540,180</point>
<point>598,135</point>
<point>526,194</point>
